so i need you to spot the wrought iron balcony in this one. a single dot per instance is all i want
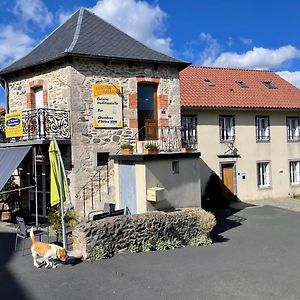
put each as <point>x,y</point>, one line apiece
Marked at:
<point>170,138</point>
<point>42,123</point>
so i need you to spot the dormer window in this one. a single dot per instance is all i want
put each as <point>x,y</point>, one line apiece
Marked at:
<point>209,82</point>
<point>269,85</point>
<point>242,84</point>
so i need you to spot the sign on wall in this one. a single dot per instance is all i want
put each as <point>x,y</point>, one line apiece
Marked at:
<point>107,106</point>
<point>13,124</point>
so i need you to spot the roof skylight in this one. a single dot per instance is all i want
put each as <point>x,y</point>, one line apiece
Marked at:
<point>242,84</point>
<point>269,85</point>
<point>209,82</point>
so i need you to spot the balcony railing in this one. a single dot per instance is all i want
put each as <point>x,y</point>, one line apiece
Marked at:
<point>171,138</point>
<point>43,123</point>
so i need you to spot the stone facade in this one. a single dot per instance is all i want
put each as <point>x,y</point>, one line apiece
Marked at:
<point>118,234</point>
<point>69,87</point>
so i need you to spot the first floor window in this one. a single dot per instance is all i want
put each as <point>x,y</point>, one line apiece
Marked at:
<point>262,129</point>
<point>226,124</point>
<point>295,172</point>
<point>292,124</point>
<point>263,174</point>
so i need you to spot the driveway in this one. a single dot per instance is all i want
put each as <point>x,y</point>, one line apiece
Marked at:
<point>256,255</point>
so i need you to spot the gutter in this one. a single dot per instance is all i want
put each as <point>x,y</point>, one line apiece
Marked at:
<point>4,84</point>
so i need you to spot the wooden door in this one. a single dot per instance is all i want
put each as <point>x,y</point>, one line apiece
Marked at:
<point>228,176</point>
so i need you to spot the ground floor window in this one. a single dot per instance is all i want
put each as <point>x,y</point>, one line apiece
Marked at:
<point>295,172</point>
<point>263,174</point>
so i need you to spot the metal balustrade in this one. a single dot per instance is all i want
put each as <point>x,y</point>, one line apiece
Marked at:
<point>43,123</point>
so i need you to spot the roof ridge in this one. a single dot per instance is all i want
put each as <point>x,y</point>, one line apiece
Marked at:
<point>77,30</point>
<point>117,28</point>
<point>44,39</point>
<point>223,68</point>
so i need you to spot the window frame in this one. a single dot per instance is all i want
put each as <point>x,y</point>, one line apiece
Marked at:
<point>266,137</point>
<point>296,137</point>
<point>223,131</point>
<point>292,174</point>
<point>265,176</point>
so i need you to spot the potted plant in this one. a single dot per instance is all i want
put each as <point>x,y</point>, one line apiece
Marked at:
<point>151,149</point>
<point>126,149</point>
<point>186,149</point>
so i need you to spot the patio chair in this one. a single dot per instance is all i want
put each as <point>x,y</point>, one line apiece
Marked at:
<point>117,212</point>
<point>23,233</point>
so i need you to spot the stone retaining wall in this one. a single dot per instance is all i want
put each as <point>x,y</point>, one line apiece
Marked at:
<point>118,234</point>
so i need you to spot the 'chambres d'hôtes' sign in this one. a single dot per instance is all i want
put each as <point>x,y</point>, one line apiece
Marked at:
<point>107,106</point>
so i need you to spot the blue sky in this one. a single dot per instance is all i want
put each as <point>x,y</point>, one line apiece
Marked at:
<point>251,34</point>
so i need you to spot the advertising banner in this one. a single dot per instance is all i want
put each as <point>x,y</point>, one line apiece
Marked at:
<point>107,106</point>
<point>13,125</point>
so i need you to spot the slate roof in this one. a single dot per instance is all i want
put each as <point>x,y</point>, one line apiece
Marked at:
<point>227,93</point>
<point>85,34</point>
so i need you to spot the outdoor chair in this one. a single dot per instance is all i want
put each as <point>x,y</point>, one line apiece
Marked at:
<point>23,233</point>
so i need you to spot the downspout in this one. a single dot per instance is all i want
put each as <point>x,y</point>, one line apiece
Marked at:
<point>4,84</point>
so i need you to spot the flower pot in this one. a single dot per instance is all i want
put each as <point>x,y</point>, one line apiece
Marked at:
<point>186,150</point>
<point>151,151</point>
<point>126,151</point>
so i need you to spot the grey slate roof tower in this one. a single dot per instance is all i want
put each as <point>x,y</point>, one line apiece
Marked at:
<point>85,34</point>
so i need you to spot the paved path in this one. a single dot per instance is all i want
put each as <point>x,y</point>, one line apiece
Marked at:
<point>255,256</point>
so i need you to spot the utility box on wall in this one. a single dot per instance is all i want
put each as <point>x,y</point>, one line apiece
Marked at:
<point>155,194</point>
<point>150,182</point>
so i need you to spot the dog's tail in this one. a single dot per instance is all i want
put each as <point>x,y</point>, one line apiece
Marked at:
<point>32,235</point>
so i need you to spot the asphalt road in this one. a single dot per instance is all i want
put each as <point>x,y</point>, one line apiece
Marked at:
<point>256,255</point>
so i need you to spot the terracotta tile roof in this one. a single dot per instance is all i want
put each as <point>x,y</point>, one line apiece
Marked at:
<point>194,92</point>
<point>2,111</point>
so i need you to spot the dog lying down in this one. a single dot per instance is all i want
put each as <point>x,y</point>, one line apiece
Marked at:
<point>47,251</point>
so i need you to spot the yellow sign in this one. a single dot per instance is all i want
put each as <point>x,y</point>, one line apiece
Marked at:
<point>107,106</point>
<point>13,124</point>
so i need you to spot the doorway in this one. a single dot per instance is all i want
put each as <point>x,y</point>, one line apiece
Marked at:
<point>43,191</point>
<point>228,177</point>
<point>147,112</point>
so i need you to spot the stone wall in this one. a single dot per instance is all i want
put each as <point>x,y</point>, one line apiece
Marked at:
<point>87,141</point>
<point>118,234</point>
<point>54,81</point>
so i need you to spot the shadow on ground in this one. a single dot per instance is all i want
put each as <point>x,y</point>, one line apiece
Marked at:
<point>227,218</point>
<point>10,289</point>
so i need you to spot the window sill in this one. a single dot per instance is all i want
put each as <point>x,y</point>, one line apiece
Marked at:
<point>264,188</point>
<point>263,141</point>
<point>293,141</point>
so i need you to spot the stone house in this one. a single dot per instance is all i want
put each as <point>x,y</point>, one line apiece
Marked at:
<point>247,129</point>
<point>55,87</point>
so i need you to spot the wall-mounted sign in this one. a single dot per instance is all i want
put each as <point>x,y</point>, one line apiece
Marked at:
<point>107,106</point>
<point>13,124</point>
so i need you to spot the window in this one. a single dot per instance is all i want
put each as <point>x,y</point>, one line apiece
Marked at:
<point>295,172</point>
<point>189,131</point>
<point>263,174</point>
<point>292,124</point>
<point>209,82</point>
<point>262,128</point>
<point>226,124</point>
<point>269,85</point>
<point>242,84</point>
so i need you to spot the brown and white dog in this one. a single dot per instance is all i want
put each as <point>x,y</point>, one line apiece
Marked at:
<point>47,251</point>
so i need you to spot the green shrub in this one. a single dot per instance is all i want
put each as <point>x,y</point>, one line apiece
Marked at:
<point>200,240</point>
<point>133,248</point>
<point>151,146</point>
<point>146,247</point>
<point>99,252</point>
<point>168,244</point>
<point>127,146</point>
<point>71,219</point>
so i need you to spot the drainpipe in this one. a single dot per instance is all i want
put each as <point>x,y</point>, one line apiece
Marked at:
<point>4,84</point>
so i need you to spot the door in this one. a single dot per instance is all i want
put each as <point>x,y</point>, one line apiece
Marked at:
<point>39,104</point>
<point>43,190</point>
<point>147,112</point>
<point>228,177</point>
